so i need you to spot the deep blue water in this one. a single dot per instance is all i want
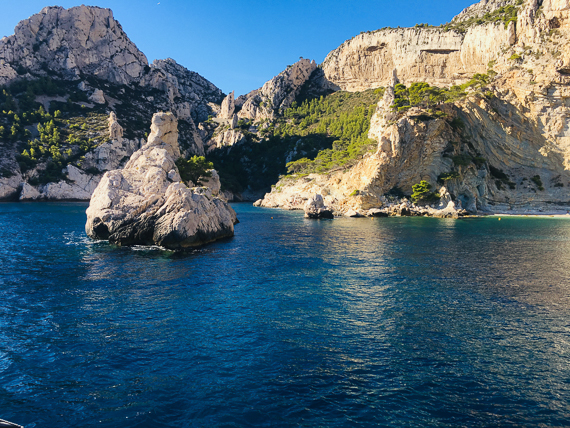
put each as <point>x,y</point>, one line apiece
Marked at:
<point>404,322</point>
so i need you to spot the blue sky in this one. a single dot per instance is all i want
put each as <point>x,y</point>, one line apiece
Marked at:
<point>238,45</point>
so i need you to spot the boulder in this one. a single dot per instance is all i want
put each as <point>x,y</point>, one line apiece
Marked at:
<point>213,182</point>
<point>315,208</point>
<point>98,97</point>
<point>352,213</point>
<point>29,192</point>
<point>147,204</point>
<point>376,212</point>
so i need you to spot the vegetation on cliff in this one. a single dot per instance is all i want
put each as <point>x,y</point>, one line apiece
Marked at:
<point>421,94</point>
<point>504,14</point>
<point>194,169</point>
<point>317,135</point>
<point>53,138</point>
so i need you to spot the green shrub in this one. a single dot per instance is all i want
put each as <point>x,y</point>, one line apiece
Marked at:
<point>501,177</point>
<point>194,169</point>
<point>355,193</point>
<point>422,193</point>
<point>462,160</point>
<point>479,161</point>
<point>537,180</point>
<point>448,176</point>
<point>504,14</point>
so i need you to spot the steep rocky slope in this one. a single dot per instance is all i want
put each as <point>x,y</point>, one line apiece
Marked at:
<point>78,64</point>
<point>498,143</point>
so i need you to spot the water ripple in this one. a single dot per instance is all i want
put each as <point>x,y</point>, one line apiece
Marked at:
<point>385,322</point>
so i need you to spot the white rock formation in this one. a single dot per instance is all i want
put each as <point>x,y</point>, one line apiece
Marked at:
<point>315,208</point>
<point>10,187</point>
<point>115,130</point>
<point>277,94</point>
<point>514,132</point>
<point>224,138</point>
<point>188,92</point>
<point>213,182</point>
<point>75,41</point>
<point>228,107</point>
<point>432,55</point>
<point>97,97</point>
<point>29,193</point>
<point>79,186</point>
<point>142,205</point>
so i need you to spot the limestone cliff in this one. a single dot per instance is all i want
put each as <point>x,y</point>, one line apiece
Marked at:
<point>276,94</point>
<point>79,62</point>
<point>80,40</point>
<point>502,147</point>
<point>433,55</point>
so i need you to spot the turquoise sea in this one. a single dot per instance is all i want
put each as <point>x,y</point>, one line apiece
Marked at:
<point>399,322</point>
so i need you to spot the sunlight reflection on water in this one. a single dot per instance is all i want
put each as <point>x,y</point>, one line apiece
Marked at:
<point>401,322</point>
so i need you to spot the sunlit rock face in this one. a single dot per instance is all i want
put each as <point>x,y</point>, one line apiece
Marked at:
<point>75,41</point>
<point>515,134</point>
<point>147,202</point>
<point>277,94</point>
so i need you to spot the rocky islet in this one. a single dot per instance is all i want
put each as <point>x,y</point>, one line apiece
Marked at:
<point>147,203</point>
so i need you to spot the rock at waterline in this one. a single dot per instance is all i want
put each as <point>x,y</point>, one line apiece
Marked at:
<point>146,203</point>
<point>315,208</point>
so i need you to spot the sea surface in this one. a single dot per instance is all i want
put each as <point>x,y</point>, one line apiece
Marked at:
<point>398,322</point>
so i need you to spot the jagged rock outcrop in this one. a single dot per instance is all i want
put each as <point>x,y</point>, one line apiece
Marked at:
<point>315,208</point>
<point>479,9</point>
<point>87,42</point>
<point>189,97</point>
<point>147,203</point>
<point>225,138</point>
<point>75,41</point>
<point>98,97</point>
<point>228,107</point>
<point>277,94</point>
<point>115,130</point>
<point>189,94</point>
<point>501,157</point>
<point>29,193</point>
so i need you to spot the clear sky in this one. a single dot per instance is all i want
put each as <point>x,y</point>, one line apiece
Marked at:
<point>239,45</point>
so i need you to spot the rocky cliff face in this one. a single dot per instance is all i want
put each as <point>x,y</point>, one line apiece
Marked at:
<point>431,55</point>
<point>479,9</point>
<point>502,148</point>
<point>86,64</point>
<point>79,183</point>
<point>277,94</point>
<point>148,203</point>
<point>80,40</point>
